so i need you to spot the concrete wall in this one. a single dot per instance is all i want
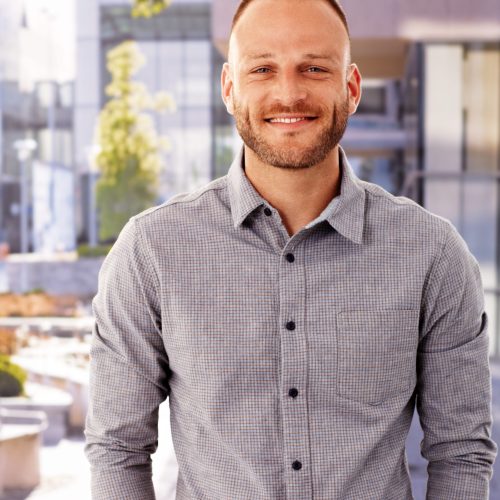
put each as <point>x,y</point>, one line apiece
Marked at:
<point>436,19</point>
<point>382,31</point>
<point>443,126</point>
<point>78,277</point>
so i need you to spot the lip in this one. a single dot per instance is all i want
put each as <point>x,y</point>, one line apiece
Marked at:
<point>289,115</point>
<point>291,126</point>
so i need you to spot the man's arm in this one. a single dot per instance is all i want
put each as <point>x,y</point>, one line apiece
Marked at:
<point>128,372</point>
<point>454,384</point>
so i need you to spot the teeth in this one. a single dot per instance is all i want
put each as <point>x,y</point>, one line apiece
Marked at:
<point>287,120</point>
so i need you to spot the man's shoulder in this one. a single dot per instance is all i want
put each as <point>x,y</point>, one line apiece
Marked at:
<point>404,213</point>
<point>205,197</point>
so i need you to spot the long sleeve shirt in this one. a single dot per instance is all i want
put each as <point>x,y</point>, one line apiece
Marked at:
<point>293,365</point>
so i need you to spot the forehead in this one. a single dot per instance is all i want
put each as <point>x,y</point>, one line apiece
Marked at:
<point>281,27</point>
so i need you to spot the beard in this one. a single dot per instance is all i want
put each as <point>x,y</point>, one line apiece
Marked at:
<point>293,157</point>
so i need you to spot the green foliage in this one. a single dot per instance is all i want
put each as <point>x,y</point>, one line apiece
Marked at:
<point>97,251</point>
<point>129,156</point>
<point>223,157</point>
<point>12,378</point>
<point>149,8</point>
<point>34,291</point>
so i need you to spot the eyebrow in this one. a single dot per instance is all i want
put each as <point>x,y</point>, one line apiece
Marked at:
<point>259,56</point>
<point>318,56</point>
<point>268,55</point>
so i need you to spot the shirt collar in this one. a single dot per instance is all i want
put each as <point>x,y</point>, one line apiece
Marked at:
<point>345,212</point>
<point>243,197</point>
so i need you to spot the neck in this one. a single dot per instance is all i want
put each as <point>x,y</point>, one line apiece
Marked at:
<point>299,195</point>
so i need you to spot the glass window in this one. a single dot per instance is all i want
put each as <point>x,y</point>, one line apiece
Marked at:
<point>373,101</point>
<point>188,21</point>
<point>460,160</point>
<point>179,56</point>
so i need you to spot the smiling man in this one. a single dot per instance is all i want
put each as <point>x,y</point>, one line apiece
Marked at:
<point>291,90</point>
<point>294,315</point>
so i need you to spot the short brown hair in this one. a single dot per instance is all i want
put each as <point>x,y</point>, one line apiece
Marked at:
<point>336,6</point>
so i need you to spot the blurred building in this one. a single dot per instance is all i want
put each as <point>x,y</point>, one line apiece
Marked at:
<point>429,121</point>
<point>180,59</point>
<point>36,94</point>
<point>428,125</point>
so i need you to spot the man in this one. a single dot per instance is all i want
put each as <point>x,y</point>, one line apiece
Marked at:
<point>293,314</point>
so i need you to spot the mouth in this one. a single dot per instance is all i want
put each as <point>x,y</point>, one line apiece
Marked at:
<point>290,123</point>
<point>290,119</point>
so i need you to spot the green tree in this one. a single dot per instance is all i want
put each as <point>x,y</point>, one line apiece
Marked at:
<point>129,155</point>
<point>149,8</point>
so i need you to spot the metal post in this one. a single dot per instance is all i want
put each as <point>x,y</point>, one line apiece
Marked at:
<point>24,148</point>
<point>24,209</point>
<point>51,116</point>
<point>51,125</point>
<point>24,227</point>
<point>92,152</point>
<point>92,211</point>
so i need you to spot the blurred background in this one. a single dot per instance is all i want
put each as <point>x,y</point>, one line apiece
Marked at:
<point>108,107</point>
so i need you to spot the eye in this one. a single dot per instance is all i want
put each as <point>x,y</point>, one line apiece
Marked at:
<point>315,69</point>
<point>261,70</point>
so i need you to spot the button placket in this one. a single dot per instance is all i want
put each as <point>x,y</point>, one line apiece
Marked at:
<point>294,370</point>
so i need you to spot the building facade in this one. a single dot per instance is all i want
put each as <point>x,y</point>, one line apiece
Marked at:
<point>428,125</point>
<point>36,99</point>
<point>180,59</point>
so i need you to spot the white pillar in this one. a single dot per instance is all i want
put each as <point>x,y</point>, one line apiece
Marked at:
<point>443,127</point>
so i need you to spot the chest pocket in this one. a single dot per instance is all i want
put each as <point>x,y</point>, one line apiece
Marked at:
<point>376,353</point>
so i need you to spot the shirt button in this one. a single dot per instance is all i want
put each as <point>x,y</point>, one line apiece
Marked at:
<point>290,257</point>
<point>296,465</point>
<point>293,392</point>
<point>268,212</point>
<point>290,325</point>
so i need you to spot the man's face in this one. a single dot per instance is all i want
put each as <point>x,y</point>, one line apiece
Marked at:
<point>288,81</point>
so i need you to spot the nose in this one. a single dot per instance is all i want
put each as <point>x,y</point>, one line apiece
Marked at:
<point>290,89</point>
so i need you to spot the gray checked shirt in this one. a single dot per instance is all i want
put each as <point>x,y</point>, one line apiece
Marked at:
<point>292,365</point>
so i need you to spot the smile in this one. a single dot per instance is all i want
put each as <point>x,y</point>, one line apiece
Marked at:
<point>290,120</point>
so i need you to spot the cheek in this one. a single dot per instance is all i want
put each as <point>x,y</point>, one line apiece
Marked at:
<point>254,94</point>
<point>248,107</point>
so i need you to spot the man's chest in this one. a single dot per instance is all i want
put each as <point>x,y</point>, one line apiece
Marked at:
<point>345,315</point>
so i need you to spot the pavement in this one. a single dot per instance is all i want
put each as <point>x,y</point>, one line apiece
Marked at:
<point>65,473</point>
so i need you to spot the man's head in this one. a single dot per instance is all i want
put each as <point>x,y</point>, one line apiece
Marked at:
<point>290,59</point>
<point>245,3</point>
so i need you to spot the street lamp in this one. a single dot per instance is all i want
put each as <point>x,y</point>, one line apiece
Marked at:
<point>24,148</point>
<point>51,108</point>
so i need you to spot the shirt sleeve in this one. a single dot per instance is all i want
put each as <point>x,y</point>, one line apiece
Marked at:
<point>454,381</point>
<point>128,372</point>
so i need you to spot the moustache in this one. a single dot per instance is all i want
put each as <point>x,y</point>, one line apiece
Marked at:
<point>290,110</point>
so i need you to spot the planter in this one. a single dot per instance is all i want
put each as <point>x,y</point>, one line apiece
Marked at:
<point>20,440</point>
<point>54,403</point>
<point>37,304</point>
<point>8,341</point>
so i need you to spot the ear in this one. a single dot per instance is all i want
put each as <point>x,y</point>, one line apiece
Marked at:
<point>227,88</point>
<point>354,87</point>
